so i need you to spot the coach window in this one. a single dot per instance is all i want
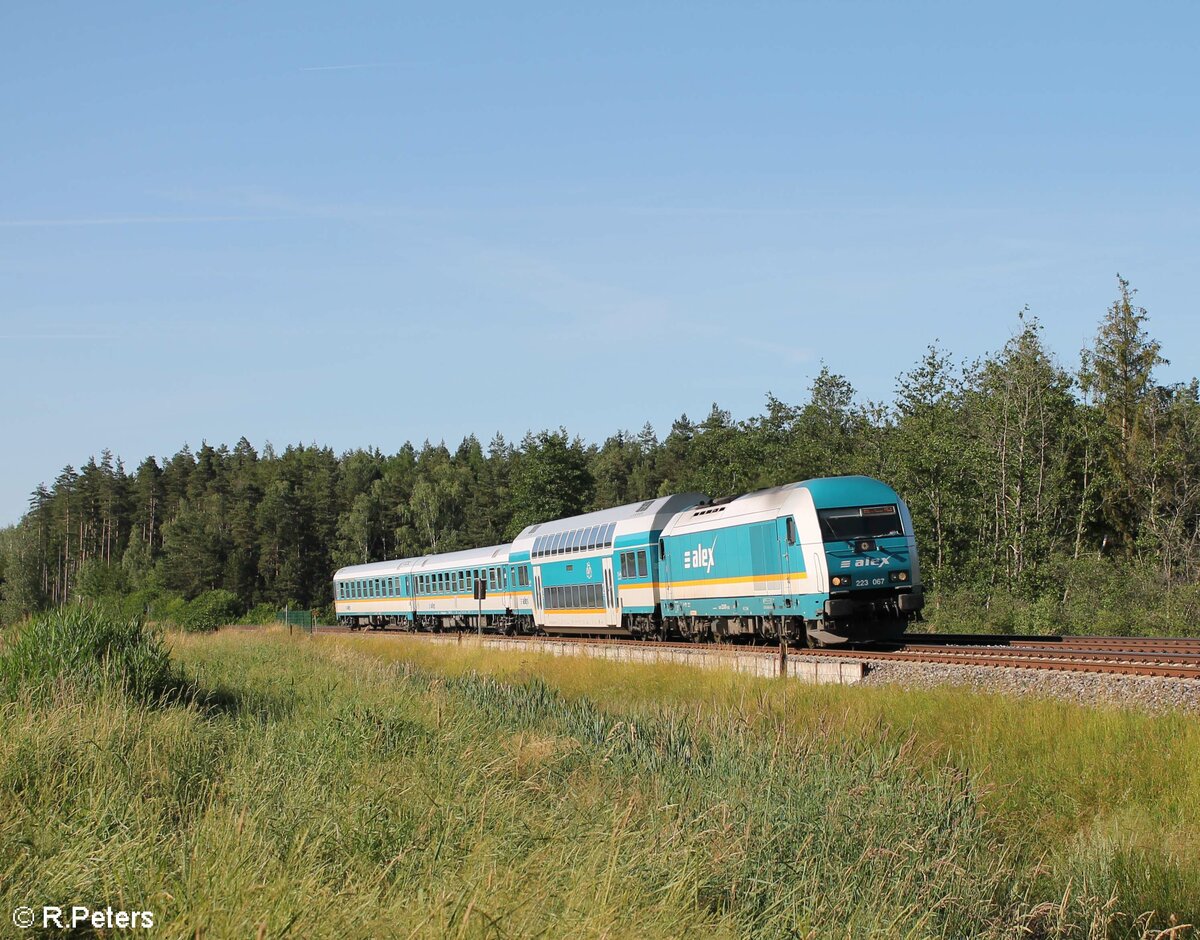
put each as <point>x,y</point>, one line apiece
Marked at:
<point>642,564</point>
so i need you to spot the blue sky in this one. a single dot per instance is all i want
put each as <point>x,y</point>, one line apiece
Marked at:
<point>365,224</point>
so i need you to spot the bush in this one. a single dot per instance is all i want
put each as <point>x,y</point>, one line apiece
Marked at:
<point>260,614</point>
<point>89,649</point>
<point>209,611</point>
<point>1074,596</point>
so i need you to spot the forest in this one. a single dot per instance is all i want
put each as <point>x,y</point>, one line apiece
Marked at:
<point>1047,497</point>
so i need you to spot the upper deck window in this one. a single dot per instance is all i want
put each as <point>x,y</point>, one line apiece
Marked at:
<point>860,522</point>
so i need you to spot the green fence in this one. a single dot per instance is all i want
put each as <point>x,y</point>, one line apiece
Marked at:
<point>296,618</point>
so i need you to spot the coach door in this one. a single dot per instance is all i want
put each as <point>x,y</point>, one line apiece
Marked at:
<point>613,614</point>
<point>539,615</point>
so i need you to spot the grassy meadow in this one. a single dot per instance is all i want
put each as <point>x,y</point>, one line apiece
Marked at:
<point>254,785</point>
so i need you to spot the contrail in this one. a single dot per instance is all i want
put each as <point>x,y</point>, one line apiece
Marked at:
<point>128,220</point>
<point>29,336</point>
<point>336,68</point>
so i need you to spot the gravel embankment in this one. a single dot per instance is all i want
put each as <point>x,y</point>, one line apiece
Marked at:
<point>1085,688</point>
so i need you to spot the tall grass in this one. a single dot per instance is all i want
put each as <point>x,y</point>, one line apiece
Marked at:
<point>393,790</point>
<point>85,649</point>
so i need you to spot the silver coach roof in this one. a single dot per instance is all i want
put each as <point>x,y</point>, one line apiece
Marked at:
<point>465,558</point>
<point>633,517</point>
<point>372,568</point>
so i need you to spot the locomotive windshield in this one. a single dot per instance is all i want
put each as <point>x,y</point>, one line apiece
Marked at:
<point>859,522</point>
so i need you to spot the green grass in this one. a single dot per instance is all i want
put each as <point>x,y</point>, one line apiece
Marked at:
<point>361,787</point>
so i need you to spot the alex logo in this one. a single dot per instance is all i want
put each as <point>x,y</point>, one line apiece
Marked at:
<point>867,563</point>
<point>701,557</point>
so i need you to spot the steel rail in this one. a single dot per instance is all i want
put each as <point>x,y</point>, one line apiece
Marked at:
<point>1131,643</point>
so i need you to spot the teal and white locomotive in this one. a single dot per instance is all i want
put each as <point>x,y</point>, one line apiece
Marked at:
<point>820,562</point>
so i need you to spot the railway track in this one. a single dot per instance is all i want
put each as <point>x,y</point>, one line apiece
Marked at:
<point>1139,656</point>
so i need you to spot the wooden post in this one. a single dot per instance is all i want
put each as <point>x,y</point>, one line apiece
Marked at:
<point>782,654</point>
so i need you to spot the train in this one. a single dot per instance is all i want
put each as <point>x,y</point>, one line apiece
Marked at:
<point>821,562</point>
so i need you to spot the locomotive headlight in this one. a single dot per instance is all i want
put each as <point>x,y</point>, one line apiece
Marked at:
<point>900,576</point>
<point>841,580</point>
